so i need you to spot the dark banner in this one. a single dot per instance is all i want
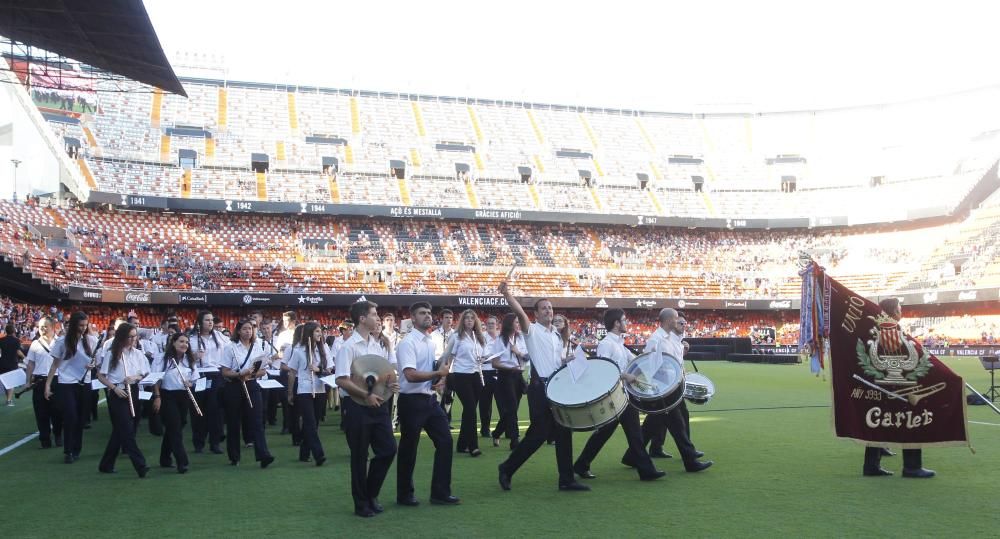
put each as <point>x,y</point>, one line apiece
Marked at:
<point>886,387</point>
<point>136,202</point>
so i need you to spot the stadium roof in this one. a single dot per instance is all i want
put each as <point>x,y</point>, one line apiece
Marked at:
<point>113,35</point>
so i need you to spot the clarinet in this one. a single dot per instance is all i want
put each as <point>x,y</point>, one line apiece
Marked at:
<point>128,386</point>
<point>312,375</point>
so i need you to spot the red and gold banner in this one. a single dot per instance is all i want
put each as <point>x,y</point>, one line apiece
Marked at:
<point>886,387</point>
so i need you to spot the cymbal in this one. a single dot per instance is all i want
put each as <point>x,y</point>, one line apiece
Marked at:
<point>377,368</point>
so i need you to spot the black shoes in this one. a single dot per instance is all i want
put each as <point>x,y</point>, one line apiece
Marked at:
<point>107,470</point>
<point>475,452</point>
<point>584,473</point>
<point>877,472</point>
<point>697,466</point>
<point>574,486</point>
<point>182,470</point>
<point>68,459</point>
<point>886,453</point>
<point>626,461</point>
<point>307,459</point>
<point>920,473</point>
<point>450,500</point>
<point>364,512</point>
<point>266,461</point>
<point>216,450</point>
<point>377,507</point>
<point>659,454</point>
<point>504,478</point>
<point>699,454</point>
<point>496,442</point>
<point>58,441</point>
<point>408,502</point>
<point>142,472</point>
<point>653,477</point>
<point>320,461</point>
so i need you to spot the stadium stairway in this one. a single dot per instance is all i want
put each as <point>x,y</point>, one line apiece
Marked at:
<point>597,199</point>
<point>590,132</point>
<point>210,148</point>
<point>154,113</point>
<point>656,171</point>
<point>655,201</point>
<point>279,150</point>
<point>223,108</point>
<point>414,157</point>
<point>535,199</point>
<point>349,155</point>
<point>87,174</point>
<point>293,117</point>
<point>261,186</point>
<point>334,189</point>
<point>538,131</point>
<point>418,118</point>
<point>475,123</point>
<point>404,192</point>
<point>355,118</point>
<point>186,184</point>
<point>479,161</point>
<point>471,192</point>
<point>164,148</point>
<point>646,137</point>
<point>56,217</point>
<point>92,141</point>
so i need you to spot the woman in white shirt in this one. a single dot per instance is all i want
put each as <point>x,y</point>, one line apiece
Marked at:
<point>38,362</point>
<point>120,374</point>
<point>466,346</point>
<point>208,345</point>
<point>242,365</point>
<point>510,378</point>
<point>174,394</point>
<point>72,359</point>
<point>308,363</point>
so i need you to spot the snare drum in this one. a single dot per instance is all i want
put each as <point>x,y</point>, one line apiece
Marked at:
<point>593,400</point>
<point>698,388</point>
<point>659,385</point>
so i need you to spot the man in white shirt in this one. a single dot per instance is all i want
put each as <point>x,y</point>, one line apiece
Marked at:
<point>612,347</point>
<point>440,337</point>
<point>545,349</point>
<point>367,425</point>
<point>419,410</point>
<point>667,339</point>
<point>283,342</point>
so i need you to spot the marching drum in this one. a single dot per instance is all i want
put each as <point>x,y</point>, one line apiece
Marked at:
<point>659,385</point>
<point>593,400</point>
<point>698,388</point>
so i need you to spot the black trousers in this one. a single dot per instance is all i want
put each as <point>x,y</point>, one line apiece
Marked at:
<point>122,432</point>
<point>486,400</point>
<point>47,417</point>
<point>71,400</point>
<point>468,389</point>
<point>366,428</point>
<point>208,426</point>
<point>309,408</point>
<point>418,412</point>
<point>638,456</point>
<point>913,459</point>
<point>237,408</point>
<point>542,424</point>
<point>290,417</point>
<point>656,426</point>
<point>508,390</point>
<point>174,406</point>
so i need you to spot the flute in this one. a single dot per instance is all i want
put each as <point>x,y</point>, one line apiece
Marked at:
<point>128,386</point>
<point>246,391</point>
<point>184,381</point>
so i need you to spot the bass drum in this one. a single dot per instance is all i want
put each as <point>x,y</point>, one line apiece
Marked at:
<point>659,385</point>
<point>591,401</point>
<point>698,389</point>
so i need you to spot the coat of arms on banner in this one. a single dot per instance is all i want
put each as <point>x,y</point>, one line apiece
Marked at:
<point>889,354</point>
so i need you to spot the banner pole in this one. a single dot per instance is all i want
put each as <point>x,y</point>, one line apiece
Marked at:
<point>980,395</point>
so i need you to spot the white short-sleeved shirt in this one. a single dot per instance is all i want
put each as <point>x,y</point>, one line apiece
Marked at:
<point>213,345</point>
<point>132,362</point>
<point>301,364</point>
<point>416,351</point>
<point>467,352</point>
<point>545,348</point>
<point>74,369</point>
<point>668,342</point>
<point>41,353</point>
<point>613,347</point>
<point>440,339</point>
<point>284,340</point>
<point>357,347</point>
<point>236,356</point>
<point>172,377</point>
<point>507,358</point>
<point>488,366</point>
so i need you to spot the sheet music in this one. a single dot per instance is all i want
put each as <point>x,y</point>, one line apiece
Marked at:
<point>205,370</point>
<point>145,395</point>
<point>96,384</point>
<point>578,365</point>
<point>330,380</point>
<point>151,378</point>
<point>200,384</point>
<point>14,378</point>
<point>269,384</point>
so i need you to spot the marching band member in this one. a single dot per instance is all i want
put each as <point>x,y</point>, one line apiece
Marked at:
<point>208,345</point>
<point>72,358</point>
<point>174,397</point>
<point>120,373</point>
<point>667,339</point>
<point>242,365</point>
<point>545,348</point>
<point>489,378</point>
<point>441,336</point>
<point>510,378</point>
<point>912,458</point>
<point>307,365</point>
<point>283,342</point>
<point>39,360</point>
<point>612,347</point>
<point>419,410</point>
<point>367,425</point>
<point>466,348</point>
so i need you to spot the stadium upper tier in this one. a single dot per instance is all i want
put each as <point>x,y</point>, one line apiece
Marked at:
<point>339,146</point>
<point>317,254</point>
